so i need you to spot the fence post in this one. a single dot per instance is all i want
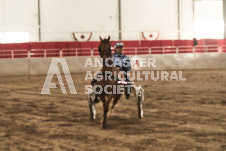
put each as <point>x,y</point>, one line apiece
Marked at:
<point>29,54</point>
<point>219,49</point>
<point>150,51</point>
<point>12,53</point>
<point>61,53</point>
<point>91,52</point>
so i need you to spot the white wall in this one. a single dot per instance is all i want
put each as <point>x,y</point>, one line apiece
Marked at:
<point>208,19</point>
<point>149,15</point>
<point>19,16</point>
<point>186,19</point>
<point>60,18</point>
<point>12,67</point>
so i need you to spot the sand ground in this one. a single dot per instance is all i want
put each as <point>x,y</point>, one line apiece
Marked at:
<point>178,115</point>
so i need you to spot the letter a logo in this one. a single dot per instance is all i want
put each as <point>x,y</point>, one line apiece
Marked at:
<point>53,69</point>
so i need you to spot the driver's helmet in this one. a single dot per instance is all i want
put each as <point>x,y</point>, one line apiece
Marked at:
<point>119,45</point>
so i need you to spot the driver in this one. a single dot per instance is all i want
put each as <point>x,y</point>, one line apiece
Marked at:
<point>120,60</point>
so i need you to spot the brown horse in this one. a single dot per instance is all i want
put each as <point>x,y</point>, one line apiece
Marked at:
<point>105,52</point>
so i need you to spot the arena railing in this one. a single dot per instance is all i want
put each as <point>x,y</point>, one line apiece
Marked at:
<point>76,52</point>
<point>22,53</point>
<point>185,49</point>
<point>163,50</point>
<point>136,50</point>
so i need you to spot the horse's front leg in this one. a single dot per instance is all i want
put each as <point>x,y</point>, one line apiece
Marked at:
<point>116,98</point>
<point>106,106</point>
<point>104,102</point>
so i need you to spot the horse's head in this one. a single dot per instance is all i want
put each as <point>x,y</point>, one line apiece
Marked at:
<point>105,48</point>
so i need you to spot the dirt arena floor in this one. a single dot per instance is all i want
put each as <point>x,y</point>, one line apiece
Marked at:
<point>178,115</point>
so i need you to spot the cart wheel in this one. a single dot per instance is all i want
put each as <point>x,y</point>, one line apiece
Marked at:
<point>140,107</point>
<point>140,99</point>
<point>92,108</point>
